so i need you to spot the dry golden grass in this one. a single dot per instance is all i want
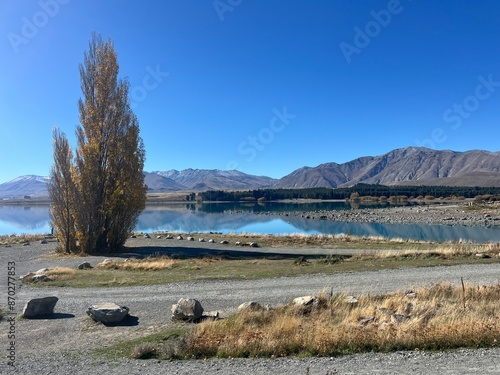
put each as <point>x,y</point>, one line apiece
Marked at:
<point>147,264</point>
<point>446,250</point>
<point>61,273</point>
<point>19,239</point>
<point>440,317</point>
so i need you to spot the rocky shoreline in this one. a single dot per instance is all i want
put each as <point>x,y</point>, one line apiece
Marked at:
<point>430,215</point>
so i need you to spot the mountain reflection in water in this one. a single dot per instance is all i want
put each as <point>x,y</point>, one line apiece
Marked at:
<point>237,218</point>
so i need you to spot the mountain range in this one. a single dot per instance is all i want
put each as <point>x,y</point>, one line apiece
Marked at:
<point>404,166</point>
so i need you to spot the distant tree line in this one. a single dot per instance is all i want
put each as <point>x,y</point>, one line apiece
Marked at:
<point>362,190</point>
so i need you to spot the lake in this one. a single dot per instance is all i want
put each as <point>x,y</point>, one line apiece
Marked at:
<point>239,218</point>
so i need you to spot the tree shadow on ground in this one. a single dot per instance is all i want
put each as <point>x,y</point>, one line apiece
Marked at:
<point>181,252</point>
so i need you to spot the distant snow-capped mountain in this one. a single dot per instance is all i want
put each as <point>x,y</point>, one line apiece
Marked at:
<point>172,180</point>
<point>30,185</point>
<point>215,179</point>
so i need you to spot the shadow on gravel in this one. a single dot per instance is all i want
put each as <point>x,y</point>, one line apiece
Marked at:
<point>192,252</point>
<point>128,321</point>
<point>52,316</point>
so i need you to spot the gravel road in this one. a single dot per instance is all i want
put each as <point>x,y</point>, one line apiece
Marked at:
<point>60,345</point>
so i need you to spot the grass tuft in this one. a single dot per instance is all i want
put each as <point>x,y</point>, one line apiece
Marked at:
<point>61,273</point>
<point>147,264</point>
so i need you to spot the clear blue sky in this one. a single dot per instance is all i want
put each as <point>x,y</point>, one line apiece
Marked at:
<point>261,86</point>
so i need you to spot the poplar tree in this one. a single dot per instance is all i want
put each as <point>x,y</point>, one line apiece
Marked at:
<point>61,191</point>
<point>107,174</point>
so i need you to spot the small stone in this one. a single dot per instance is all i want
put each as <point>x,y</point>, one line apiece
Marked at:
<point>211,315</point>
<point>482,255</point>
<point>211,240</point>
<point>190,239</point>
<point>305,301</point>
<point>40,278</point>
<point>201,239</point>
<point>254,306</point>
<point>180,237</point>
<point>43,242</point>
<point>224,242</point>
<point>254,244</point>
<point>351,300</point>
<point>84,266</point>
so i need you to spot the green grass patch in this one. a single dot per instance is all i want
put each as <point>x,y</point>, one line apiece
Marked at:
<point>162,345</point>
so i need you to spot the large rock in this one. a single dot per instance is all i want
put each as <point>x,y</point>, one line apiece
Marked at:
<point>187,309</point>
<point>39,307</point>
<point>107,312</point>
